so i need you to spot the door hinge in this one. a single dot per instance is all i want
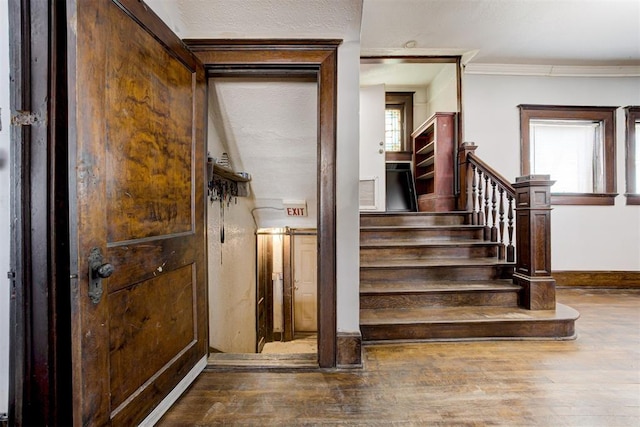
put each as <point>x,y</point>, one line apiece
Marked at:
<point>25,118</point>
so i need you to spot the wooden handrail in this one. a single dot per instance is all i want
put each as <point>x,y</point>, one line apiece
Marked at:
<point>488,170</point>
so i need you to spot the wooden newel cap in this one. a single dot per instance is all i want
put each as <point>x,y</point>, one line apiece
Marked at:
<point>537,180</point>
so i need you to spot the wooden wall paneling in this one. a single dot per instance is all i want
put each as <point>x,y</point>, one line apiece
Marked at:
<point>598,279</point>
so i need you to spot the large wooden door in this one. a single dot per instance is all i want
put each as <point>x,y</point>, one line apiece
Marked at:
<point>136,133</point>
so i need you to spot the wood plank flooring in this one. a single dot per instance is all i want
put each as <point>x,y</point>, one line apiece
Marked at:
<point>592,381</point>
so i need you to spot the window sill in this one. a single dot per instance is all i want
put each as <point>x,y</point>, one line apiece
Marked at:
<point>587,199</point>
<point>633,199</point>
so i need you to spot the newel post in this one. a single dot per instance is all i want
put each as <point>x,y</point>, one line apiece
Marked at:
<point>465,176</point>
<point>533,242</point>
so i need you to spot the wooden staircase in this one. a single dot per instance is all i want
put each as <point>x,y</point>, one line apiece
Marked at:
<point>432,276</point>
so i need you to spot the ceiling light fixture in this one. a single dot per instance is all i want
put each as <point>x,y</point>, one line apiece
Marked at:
<point>410,44</point>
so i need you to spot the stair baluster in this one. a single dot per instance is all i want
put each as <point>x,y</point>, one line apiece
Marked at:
<point>481,218</point>
<point>474,192</point>
<point>487,220</point>
<point>494,228</point>
<point>501,248</point>
<point>511,250</point>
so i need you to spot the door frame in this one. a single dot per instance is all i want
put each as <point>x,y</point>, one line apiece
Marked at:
<point>294,58</point>
<point>40,318</point>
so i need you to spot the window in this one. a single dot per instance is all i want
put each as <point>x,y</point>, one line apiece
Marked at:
<point>633,154</point>
<point>393,129</point>
<point>576,146</point>
<point>398,121</point>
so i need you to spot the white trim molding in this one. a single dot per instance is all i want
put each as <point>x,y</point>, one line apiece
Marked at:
<point>553,70</point>
<point>173,396</point>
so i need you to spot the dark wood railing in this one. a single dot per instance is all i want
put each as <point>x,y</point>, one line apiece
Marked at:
<point>501,207</point>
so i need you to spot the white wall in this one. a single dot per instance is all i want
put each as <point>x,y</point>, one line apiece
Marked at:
<point>4,206</point>
<point>443,91</point>
<point>232,269</point>
<point>347,178</point>
<point>583,237</point>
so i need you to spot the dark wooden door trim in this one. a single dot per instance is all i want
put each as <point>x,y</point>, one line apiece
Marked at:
<point>255,58</point>
<point>40,367</point>
<point>287,289</point>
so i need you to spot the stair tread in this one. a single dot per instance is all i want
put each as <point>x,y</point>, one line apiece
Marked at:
<point>420,227</point>
<point>435,262</point>
<point>414,214</point>
<point>390,243</point>
<point>466,314</point>
<point>438,286</point>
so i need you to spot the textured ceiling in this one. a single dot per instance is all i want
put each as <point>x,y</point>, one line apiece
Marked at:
<point>262,18</point>
<point>558,32</point>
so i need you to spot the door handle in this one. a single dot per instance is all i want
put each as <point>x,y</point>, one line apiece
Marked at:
<point>97,271</point>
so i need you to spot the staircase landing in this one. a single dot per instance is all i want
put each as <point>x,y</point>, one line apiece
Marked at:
<point>431,276</point>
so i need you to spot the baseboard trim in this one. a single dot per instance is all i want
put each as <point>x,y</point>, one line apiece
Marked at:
<point>171,398</point>
<point>349,350</point>
<point>598,279</point>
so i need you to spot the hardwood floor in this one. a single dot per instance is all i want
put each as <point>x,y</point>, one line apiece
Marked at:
<point>592,381</point>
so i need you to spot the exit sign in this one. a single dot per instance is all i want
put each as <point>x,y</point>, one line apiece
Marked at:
<point>295,208</point>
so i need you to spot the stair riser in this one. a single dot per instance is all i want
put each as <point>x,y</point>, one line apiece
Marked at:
<point>405,274</point>
<point>399,220</point>
<point>440,299</point>
<point>420,235</point>
<point>413,253</point>
<point>477,330</point>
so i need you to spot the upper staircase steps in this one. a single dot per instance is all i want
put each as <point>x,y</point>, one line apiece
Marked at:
<point>431,276</point>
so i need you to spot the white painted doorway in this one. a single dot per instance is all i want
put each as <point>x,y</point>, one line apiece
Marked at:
<point>305,283</point>
<point>372,155</point>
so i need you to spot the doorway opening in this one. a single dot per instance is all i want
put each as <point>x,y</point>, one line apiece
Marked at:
<point>415,89</point>
<point>316,61</point>
<point>275,144</point>
<point>286,297</point>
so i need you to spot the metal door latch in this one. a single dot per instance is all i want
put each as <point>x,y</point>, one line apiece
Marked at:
<point>97,272</point>
<point>25,118</point>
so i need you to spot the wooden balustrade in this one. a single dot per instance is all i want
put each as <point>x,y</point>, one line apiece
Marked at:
<point>483,192</point>
<point>489,197</point>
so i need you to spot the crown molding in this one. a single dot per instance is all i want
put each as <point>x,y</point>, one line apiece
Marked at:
<point>553,70</point>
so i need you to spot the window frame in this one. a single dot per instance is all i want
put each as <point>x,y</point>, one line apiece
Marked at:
<point>632,116</point>
<point>404,102</point>
<point>606,115</point>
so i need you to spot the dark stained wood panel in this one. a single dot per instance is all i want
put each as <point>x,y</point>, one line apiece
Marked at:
<point>148,100</point>
<point>145,260</point>
<point>137,194</point>
<point>142,316</point>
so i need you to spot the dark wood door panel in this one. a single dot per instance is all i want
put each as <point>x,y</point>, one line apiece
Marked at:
<point>137,190</point>
<point>136,262</point>
<point>142,317</point>
<point>148,99</point>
